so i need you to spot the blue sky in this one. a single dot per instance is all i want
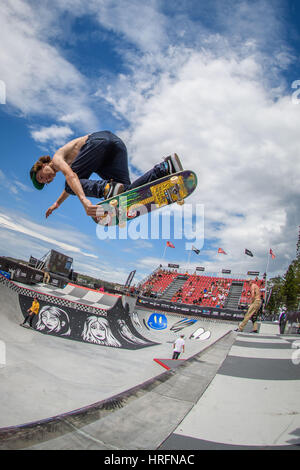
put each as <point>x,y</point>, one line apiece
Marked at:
<point>210,80</point>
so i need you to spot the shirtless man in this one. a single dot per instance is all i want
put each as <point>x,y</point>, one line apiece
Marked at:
<point>102,153</point>
<point>255,302</point>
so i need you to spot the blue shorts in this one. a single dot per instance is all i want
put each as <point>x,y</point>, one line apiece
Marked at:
<point>106,155</point>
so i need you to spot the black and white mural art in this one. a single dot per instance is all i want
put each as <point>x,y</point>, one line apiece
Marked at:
<point>52,319</point>
<point>111,327</point>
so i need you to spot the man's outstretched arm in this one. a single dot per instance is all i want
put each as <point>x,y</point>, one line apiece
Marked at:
<point>73,182</point>
<point>59,201</point>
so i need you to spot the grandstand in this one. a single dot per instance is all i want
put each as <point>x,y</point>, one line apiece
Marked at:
<point>195,289</point>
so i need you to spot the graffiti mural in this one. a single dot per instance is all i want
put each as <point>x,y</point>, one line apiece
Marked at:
<point>97,330</point>
<point>127,334</point>
<point>181,324</point>
<point>53,319</point>
<point>112,327</point>
<point>200,334</point>
<point>157,321</point>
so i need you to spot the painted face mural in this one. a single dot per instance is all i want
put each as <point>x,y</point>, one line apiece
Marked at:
<point>157,321</point>
<point>53,319</point>
<point>97,330</point>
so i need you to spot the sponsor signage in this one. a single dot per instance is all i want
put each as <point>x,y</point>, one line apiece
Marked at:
<point>208,312</point>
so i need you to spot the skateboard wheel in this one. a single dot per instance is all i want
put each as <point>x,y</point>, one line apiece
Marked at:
<point>180,202</point>
<point>174,179</point>
<point>114,203</point>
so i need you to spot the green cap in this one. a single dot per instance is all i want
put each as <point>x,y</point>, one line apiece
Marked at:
<point>35,183</point>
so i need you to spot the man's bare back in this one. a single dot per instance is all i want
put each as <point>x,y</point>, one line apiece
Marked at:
<point>255,292</point>
<point>70,150</point>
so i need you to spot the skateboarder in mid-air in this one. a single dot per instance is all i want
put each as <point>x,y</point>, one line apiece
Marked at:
<point>102,153</point>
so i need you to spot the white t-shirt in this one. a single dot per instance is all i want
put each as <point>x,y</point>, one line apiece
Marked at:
<point>179,343</point>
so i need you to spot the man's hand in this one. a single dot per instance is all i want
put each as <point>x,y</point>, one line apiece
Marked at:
<point>90,209</point>
<point>51,209</point>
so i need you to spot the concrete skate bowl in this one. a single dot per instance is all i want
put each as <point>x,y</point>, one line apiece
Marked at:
<point>54,378</point>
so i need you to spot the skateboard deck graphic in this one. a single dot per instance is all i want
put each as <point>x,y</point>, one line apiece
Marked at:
<point>151,196</point>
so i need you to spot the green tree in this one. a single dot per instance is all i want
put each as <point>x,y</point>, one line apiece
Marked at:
<point>290,286</point>
<point>277,298</point>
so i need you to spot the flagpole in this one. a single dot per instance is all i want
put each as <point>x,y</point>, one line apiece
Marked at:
<point>268,261</point>
<point>266,282</point>
<point>164,252</point>
<point>189,259</point>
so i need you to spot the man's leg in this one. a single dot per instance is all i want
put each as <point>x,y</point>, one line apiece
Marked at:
<point>96,188</point>
<point>254,307</point>
<point>25,320</point>
<point>93,188</point>
<point>115,165</point>
<point>158,171</point>
<point>254,322</point>
<point>170,165</point>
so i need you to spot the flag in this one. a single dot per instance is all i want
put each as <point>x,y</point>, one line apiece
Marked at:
<point>170,245</point>
<point>272,254</point>
<point>248,252</point>
<point>220,250</point>
<point>196,250</point>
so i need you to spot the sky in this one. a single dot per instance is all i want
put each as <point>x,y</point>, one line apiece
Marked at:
<point>216,82</point>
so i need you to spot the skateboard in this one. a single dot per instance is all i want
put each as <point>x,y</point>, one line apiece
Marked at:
<point>162,192</point>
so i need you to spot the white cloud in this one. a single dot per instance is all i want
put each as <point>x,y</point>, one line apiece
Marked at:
<point>24,227</point>
<point>16,189</point>
<point>220,116</point>
<point>20,237</point>
<point>56,134</point>
<point>39,80</point>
